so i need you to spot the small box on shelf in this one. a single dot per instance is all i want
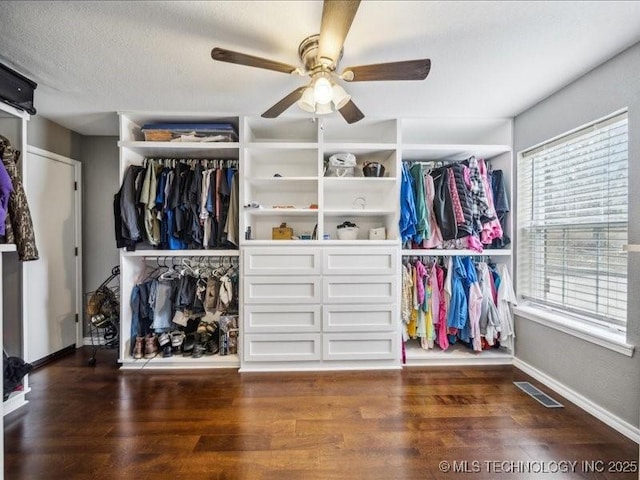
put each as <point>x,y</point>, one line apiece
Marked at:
<point>282,232</point>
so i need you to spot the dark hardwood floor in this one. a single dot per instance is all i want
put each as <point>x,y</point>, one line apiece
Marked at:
<point>102,423</point>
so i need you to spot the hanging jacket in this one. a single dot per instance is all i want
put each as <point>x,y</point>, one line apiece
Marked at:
<point>128,231</point>
<point>443,204</point>
<point>501,203</point>
<point>407,207</point>
<point>466,227</point>
<point>6,187</point>
<point>422,216</point>
<point>19,218</point>
<point>232,228</point>
<point>148,200</point>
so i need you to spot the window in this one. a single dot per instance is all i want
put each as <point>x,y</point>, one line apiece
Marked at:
<point>572,223</point>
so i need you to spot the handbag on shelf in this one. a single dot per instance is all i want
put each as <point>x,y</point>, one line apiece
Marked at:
<point>282,232</point>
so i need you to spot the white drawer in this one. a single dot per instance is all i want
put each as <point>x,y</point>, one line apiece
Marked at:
<point>264,347</point>
<point>277,290</point>
<point>360,261</point>
<point>281,261</point>
<point>281,319</point>
<point>359,318</point>
<point>360,346</point>
<point>362,289</point>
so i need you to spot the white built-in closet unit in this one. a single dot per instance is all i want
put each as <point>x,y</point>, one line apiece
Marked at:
<point>319,303</point>
<point>133,151</point>
<point>13,125</point>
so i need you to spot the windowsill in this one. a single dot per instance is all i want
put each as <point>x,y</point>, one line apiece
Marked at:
<point>602,336</point>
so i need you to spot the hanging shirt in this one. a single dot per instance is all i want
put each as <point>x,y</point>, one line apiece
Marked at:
<point>232,228</point>
<point>413,321</point>
<point>458,306</point>
<point>407,300</point>
<point>435,239</point>
<point>441,309</point>
<point>489,321</point>
<point>506,298</point>
<point>422,225</point>
<point>474,302</point>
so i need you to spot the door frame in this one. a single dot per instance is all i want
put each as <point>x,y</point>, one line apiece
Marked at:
<point>77,169</point>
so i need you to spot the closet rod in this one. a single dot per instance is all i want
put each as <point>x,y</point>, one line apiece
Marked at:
<point>433,163</point>
<point>437,163</point>
<point>189,257</point>
<point>217,162</point>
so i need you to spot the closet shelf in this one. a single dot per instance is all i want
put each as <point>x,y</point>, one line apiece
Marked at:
<point>183,149</point>
<point>435,252</point>
<point>7,247</point>
<point>16,400</point>
<point>178,361</point>
<point>274,181</point>
<point>281,212</point>
<point>455,355</point>
<point>10,111</point>
<point>181,253</point>
<point>369,243</point>
<point>280,145</point>
<point>357,147</point>
<point>358,180</point>
<point>143,145</point>
<point>360,212</point>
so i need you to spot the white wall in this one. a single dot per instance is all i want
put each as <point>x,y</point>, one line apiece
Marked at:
<point>609,379</point>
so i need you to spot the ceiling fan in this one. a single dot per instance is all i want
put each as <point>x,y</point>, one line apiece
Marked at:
<point>320,54</point>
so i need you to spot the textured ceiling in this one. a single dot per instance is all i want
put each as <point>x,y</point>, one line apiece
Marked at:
<point>489,59</point>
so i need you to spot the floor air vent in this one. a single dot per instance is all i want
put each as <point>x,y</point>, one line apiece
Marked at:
<point>537,394</point>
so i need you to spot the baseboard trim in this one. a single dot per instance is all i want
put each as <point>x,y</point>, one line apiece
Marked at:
<point>615,422</point>
<point>53,356</point>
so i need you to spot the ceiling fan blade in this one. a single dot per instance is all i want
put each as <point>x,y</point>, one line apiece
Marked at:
<point>407,70</point>
<point>337,16</point>
<point>243,59</point>
<point>285,103</point>
<point>351,113</point>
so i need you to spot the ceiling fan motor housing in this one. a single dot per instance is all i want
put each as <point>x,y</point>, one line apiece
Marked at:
<point>308,53</point>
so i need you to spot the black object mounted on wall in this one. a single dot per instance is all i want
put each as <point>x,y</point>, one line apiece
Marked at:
<point>16,89</point>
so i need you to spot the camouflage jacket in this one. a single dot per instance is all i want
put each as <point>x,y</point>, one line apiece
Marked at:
<point>19,226</point>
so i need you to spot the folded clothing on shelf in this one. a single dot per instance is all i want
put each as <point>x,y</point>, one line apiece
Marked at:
<point>189,132</point>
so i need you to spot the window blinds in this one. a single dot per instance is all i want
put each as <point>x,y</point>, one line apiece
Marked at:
<point>572,222</point>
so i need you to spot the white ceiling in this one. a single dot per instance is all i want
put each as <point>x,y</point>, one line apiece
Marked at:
<point>489,59</point>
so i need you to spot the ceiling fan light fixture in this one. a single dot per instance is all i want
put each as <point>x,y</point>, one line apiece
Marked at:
<point>322,89</point>
<point>307,101</point>
<point>340,97</point>
<point>324,108</point>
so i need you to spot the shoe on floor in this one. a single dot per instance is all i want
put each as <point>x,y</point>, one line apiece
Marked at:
<point>187,345</point>
<point>167,351</point>
<point>150,346</point>
<point>177,337</point>
<point>164,339</point>
<point>138,349</point>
